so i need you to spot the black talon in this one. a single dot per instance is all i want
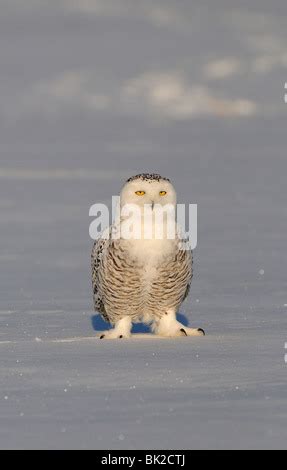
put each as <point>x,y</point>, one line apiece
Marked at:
<point>202,331</point>
<point>183,330</point>
<point>101,337</point>
<point>121,336</point>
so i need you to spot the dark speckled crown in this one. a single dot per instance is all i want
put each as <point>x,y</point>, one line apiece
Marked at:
<point>148,177</point>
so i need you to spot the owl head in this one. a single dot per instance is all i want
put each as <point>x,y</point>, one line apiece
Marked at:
<point>148,190</point>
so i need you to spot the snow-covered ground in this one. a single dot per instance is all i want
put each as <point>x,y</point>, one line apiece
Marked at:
<point>87,99</point>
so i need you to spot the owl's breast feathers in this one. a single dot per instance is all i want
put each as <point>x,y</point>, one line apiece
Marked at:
<point>139,281</point>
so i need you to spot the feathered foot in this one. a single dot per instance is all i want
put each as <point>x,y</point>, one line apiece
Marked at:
<point>122,329</point>
<point>168,325</point>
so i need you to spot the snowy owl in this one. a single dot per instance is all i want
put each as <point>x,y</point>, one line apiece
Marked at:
<point>142,279</point>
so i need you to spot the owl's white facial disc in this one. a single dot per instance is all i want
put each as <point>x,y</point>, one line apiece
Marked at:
<point>143,191</point>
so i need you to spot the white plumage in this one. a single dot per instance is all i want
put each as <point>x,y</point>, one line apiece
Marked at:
<point>142,278</point>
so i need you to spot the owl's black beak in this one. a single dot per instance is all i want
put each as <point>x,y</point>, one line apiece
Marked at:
<point>152,205</point>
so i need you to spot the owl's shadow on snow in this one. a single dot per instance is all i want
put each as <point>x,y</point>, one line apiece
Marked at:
<point>100,325</point>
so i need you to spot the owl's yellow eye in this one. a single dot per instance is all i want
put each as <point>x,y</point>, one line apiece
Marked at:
<point>163,193</point>
<point>140,193</point>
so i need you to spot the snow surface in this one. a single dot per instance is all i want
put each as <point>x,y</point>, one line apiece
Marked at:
<point>60,386</point>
